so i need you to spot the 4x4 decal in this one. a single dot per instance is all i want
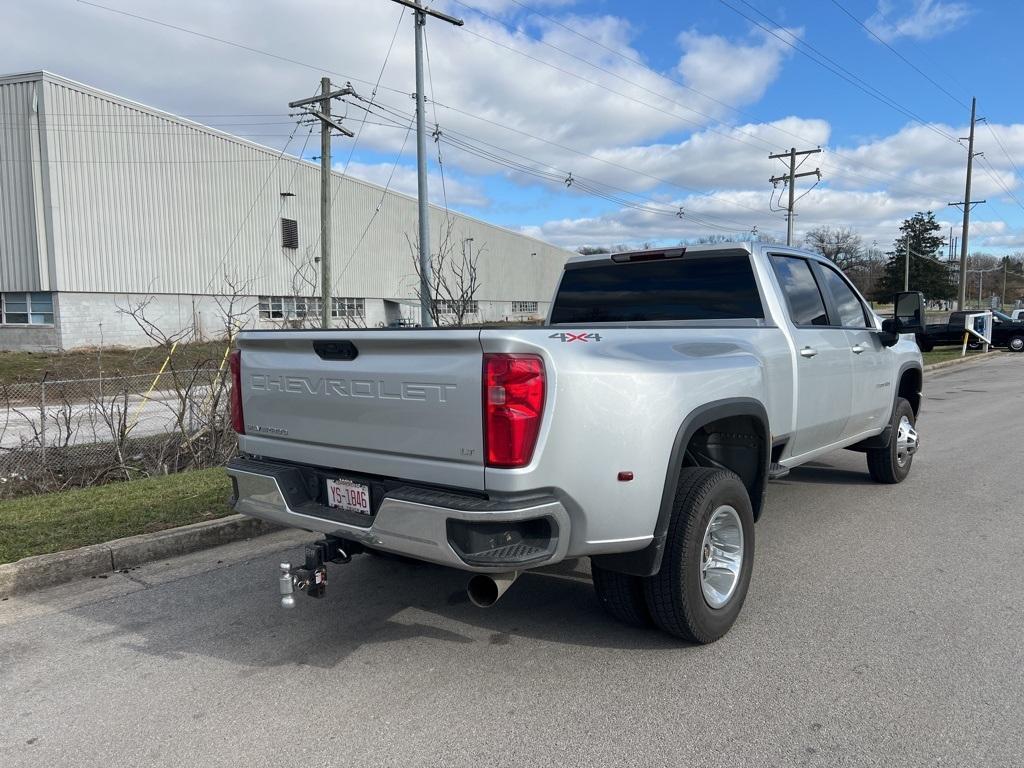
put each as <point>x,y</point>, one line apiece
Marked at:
<point>568,337</point>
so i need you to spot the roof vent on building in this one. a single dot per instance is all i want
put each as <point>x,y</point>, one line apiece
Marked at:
<point>289,233</point>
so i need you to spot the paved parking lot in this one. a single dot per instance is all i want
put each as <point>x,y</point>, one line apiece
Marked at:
<point>884,626</point>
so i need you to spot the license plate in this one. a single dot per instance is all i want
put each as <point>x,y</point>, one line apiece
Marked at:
<point>349,496</point>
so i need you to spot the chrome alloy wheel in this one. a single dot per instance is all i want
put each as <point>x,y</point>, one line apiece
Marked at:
<point>721,556</point>
<point>1017,344</point>
<point>906,441</point>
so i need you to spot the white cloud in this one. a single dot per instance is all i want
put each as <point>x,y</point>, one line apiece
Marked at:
<point>923,20</point>
<point>404,180</point>
<point>507,6</point>
<point>733,72</point>
<point>1005,242</point>
<point>869,185</point>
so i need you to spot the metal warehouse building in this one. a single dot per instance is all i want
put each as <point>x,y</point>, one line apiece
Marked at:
<point>104,202</point>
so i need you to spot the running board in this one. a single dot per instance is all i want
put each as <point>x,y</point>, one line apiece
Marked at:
<point>776,471</point>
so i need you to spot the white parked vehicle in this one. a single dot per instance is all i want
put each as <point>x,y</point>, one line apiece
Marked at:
<point>639,427</point>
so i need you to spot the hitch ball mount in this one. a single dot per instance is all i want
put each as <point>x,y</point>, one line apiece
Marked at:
<point>311,578</point>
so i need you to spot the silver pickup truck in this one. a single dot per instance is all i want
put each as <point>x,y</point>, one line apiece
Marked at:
<point>638,427</point>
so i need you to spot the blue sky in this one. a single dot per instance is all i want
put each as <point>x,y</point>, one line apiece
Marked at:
<point>684,102</point>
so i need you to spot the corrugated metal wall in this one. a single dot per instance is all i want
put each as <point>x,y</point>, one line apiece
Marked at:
<point>20,190</point>
<point>145,202</point>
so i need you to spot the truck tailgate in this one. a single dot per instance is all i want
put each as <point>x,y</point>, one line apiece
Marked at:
<point>394,403</point>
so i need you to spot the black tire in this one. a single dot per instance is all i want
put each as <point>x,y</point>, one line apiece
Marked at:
<point>925,344</point>
<point>674,594</point>
<point>621,595</point>
<point>1016,343</point>
<point>883,463</point>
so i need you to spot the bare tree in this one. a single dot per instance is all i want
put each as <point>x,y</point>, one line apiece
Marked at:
<point>840,245</point>
<point>455,278</point>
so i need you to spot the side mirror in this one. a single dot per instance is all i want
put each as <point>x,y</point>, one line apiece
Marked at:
<point>909,312</point>
<point>908,317</point>
<point>889,335</point>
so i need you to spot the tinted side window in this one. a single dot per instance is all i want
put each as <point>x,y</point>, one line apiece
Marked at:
<point>805,303</point>
<point>851,311</point>
<point>690,288</point>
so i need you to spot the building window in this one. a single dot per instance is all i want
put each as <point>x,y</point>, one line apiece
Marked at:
<point>289,307</point>
<point>451,307</point>
<point>26,308</point>
<point>348,308</point>
<point>524,307</point>
<point>271,308</point>
<point>289,233</point>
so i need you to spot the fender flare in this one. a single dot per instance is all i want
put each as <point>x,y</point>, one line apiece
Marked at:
<point>647,561</point>
<point>881,440</point>
<point>913,365</point>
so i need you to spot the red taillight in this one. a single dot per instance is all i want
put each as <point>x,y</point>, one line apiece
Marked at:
<point>513,403</point>
<point>237,419</point>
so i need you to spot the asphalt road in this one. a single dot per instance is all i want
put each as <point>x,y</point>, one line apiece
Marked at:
<point>884,626</point>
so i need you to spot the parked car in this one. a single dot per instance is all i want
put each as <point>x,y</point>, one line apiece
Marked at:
<point>639,427</point>
<point>1017,315</point>
<point>1006,332</point>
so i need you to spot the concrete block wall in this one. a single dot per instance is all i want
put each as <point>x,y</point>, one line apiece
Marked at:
<point>29,338</point>
<point>97,319</point>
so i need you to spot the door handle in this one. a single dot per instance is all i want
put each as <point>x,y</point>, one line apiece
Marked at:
<point>808,352</point>
<point>857,349</point>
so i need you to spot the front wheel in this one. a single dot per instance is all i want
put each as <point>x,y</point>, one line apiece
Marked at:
<point>891,464</point>
<point>709,556</point>
<point>1016,344</point>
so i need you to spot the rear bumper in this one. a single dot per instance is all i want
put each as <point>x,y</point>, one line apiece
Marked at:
<point>426,524</point>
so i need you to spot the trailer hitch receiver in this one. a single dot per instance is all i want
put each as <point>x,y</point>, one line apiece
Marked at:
<point>311,578</point>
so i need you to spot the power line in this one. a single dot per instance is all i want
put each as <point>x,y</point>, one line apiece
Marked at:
<point>1003,148</point>
<point>252,204</point>
<point>581,153</point>
<point>232,43</point>
<point>637,61</point>
<point>708,128</point>
<point>992,174</point>
<point>297,62</point>
<point>902,58</point>
<point>790,181</point>
<point>473,145</point>
<point>318,68</point>
<point>437,129</point>
<point>833,66</point>
<point>616,75</point>
<point>362,123</point>
<point>383,196</point>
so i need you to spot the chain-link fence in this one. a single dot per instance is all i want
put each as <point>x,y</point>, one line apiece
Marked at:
<point>64,433</point>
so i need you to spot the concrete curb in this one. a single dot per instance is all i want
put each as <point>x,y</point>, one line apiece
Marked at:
<point>40,571</point>
<point>962,361</point>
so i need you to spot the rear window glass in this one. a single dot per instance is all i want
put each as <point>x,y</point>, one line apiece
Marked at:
<point>851,311</point>
<point>806,306</point>
<point>690,288</point>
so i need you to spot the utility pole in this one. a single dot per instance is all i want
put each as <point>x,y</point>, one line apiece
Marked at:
<point>426,277</point>
<point>326,124</point>
<point>790,179</point>
<point>906,268</point>
<point>1002,296</point>
<point>966,205</point>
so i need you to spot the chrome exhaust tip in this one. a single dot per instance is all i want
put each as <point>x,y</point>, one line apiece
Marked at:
<point>485,589</point>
